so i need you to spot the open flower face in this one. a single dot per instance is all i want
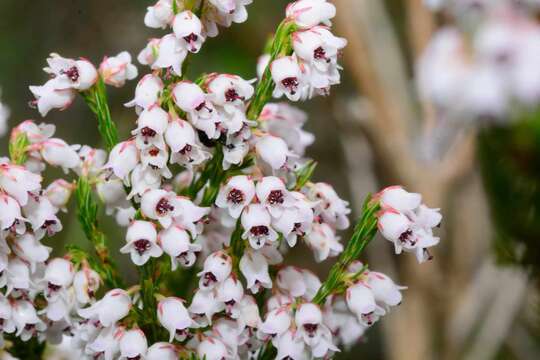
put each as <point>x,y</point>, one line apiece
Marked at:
<point>256,222</point>
<point>236,195</point>
<point>217,267</point>
<point>75,74</point>
<point>141,241</point>
<point>189,29</point>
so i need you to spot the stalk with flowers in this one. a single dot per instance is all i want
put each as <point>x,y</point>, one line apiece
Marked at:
<point>213,187</point>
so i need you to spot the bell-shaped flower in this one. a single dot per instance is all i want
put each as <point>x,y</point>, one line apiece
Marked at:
<point>229,91</point>
<point>212,349</point>
<point>217,267</point>
<point>42,216</point>
<point>289,78</point>
<point>58,277</point>
<point>106,344</point>
<point>204,305</point>
<point>164,53</point>
<point>27,322</point>
<point>175,242</point>
<point>309,13</point>
<point>291,346</point>
<point>180,137</point>
<point>86,283</point>
<point>155,157</point>
<point>147,92</point>
<point>256,222</point>
<point>115,70</point>
<point>248,313</point>
<point>234,151</point>
<point>230,292</point>
<point>254,267</point>
<point>295,221</point>
<point>318,47</point>
<point>162,351</point>
<point>57,152</point>
<point>274,196</point>
<point>7,325</point>
<point>173,316</point>
<point>114,306</point>
<point>273,151</point>
<point>76,74</point>
<point>122,159</point>
<point>384,290</point>
<point>151,127</point>
<point>160,205</point>
<point>18,276</point>
<point>49,96</point>
<point>59,192</point>
<point>141,241</point>
<point>330,206</point>
<point>133,344</point>
<point>277,322</point>
<point>191,216</point>
<point>236,195</point>
<point>361,301</point>
<point>10,216</point>
<point>188,28</point>
<point>143,179</point>
<point>298,282</point>
<point>324,242</point>
<point>112,193</point>
<point>308,318</point>
<point>160,14</point>
<point>18,182</point>
<point>397,198</point>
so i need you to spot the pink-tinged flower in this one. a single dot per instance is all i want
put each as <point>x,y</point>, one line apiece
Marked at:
<point>385,291</point>
<point>203,306</point>
<point>277,322</point>
<point>42,216</point>
<point>115,70</point>
<point>176,243</point>
<point>236,195</point>
<point>191,216</point>
<point>58,277</point>
<point>57,152</point>
<point>7,325</point>
<point>50,96</point>
<point>298,282</point>
<point>188,28</point>
<point>273,195</point>
<point>273,151</point>
<point>256,222</point>
<point>313,331</point>
<point>290,346</point>
<point>160,205</point>
<point>122,159</point>
<point>296,221</point>
<point>324,242</point>
<point>361,302</point>
<point>229,91</point>
<point>10,216</point>
<point>27,322</point>
<point>86,283</point>
<point>309,13</point>
<point>105,343</point>
<point>164,53</point>
<point>162,351</point>
<point>144,178</point>
<point>151,126</point>
<point>212,349</point>
<point>133,344</point>
<point>217,267</point>
<point>113,307</point>
<point>18,276</point>
<point>159,15</point>
<point>147,92</point>
<point>254,267</point>
<point>76,74</point>
<point>181,138</point>
<point>289,77</point>
<point>141,241</point>
<point>230,292</point>
<point>29,249</point>
<point>331,207</point>
<point>399,199</point>
<point>35,133</point>
<point>59,192</point>
<point>234,151</point>
<point>18,182</point>
<point>173,316</point>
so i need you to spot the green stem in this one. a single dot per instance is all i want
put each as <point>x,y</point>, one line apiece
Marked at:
<point>281,46</point>
<point>18,147</point>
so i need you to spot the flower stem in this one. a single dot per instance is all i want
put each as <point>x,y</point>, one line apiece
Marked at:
<point>18,147</point>
<point>281,46</point>
<point>364,232</point>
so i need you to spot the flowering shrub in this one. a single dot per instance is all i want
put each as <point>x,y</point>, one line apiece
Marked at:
<point>213,187</point>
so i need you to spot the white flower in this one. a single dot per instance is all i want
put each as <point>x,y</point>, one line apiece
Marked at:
<point>59,192</point>
<point>26,319</point>
<point>277,322</point>
<point>57,152</point>
<point>361,302</point>
<point>106,344</point>
<point>141,241</point>
<point>295,221</point>
<point>4,115</point>
<point>399,199</point>
<point>143,179</point>
<point>155,157</point>
<point>164,53</point>
<point>77,74</point>
<point>18,182</point>
<point>10,216</point>
<point>115,70</point>
<point>309,13</point>
<point>133,344</point>
<point>42,216</point>
<point>273,151</point>
<point>273,195</point>
<point>34,133</point>
<point>58,277</point>
<point>288,77</point>
<point>234,151</point>
<point>29,249</point>
<point>230,292</point>
<point>151,126</point>
<point>229,91</point>
<point>323,241</point>
<point>49,97</point>
<point>86,283</point>
<point>204,305</point>
<point>176,243</point>
<point>160,15</point>
<point>315,334</point>
<point>262,64</point>
<point>123,158</point>
<point>174,317</point>
<point>254,267</point>
<point>212,349</point>
<point>290,346</point>
<point>256,222</point>
<point>191,216</point>
<point>217,267</point>
<point>112,193</point>
<point>18,276</point>
<point>112,307</point>
<point>147,92</point>
<point>332,208</point>
<point>384,289</point>
<point>189,29</point>
<point>162,351</point>
<point>7,325</point>
<point>236,195</point>
<point>180,137</point>
<point>298,282</point>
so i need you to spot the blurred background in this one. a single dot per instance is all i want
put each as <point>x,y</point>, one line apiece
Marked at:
<point>478,299</point>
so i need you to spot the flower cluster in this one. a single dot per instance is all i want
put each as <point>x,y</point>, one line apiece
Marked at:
<point>485,65</point>
<point>213,187</point>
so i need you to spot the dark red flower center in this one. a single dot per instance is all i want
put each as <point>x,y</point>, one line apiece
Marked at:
<point>235,196</point>
<point>142,246</point>
<point>275,197</point>
<point>164,206</point>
